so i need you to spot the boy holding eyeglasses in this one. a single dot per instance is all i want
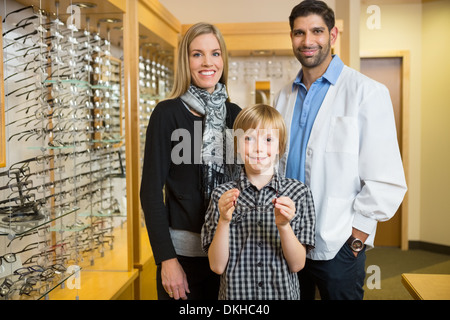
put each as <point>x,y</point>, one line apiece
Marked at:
<point>258,229</point>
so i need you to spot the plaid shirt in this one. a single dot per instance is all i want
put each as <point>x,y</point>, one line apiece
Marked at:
<point>257,269</point>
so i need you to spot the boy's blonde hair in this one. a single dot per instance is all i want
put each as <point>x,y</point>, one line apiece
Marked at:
<point>264,117</point>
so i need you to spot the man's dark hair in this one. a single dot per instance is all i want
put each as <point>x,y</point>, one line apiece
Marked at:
<point>308,7</point>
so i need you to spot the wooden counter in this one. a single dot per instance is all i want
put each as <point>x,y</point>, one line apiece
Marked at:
<point>100,285</point>
<point>109,277</point>
<point>427,286</point>
<point>146,287</point>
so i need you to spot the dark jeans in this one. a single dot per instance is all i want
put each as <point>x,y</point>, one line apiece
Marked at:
<point>203,283</point>
<point>341,278</point>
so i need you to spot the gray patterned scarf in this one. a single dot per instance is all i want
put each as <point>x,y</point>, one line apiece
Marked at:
<point>215,167</point>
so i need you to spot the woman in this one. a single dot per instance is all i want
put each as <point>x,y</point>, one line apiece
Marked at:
<point>185,155</point>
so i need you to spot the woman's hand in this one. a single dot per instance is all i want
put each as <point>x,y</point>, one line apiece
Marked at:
<point>174,279</point>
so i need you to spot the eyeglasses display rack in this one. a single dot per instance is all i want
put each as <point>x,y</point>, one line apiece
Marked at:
<point>155,82</point>
<point>67,220</point>
<point>64,142</point>
<point>64,187</point>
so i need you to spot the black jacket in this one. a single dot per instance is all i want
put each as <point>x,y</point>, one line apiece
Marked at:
<point>183,205</point>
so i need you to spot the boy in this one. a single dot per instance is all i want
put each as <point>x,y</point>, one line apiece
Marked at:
<point>257,230</point>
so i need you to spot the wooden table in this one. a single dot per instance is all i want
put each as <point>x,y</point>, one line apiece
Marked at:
<point>427,286</point>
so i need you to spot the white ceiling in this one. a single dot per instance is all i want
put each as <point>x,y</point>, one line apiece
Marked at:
<point>231,11</point>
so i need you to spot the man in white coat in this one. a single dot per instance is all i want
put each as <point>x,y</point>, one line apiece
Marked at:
<point>343,145</point>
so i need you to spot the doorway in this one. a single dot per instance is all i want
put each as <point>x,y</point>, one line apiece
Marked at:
<point>390,71</point>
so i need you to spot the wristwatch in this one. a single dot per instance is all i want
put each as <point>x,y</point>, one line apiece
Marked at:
<point>355,244</point>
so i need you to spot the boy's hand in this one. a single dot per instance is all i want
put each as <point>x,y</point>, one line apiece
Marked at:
<point>227,204</point>
<point>284,210</point>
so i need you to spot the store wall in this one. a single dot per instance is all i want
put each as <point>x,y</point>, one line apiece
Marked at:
<point>232,11</point>
<point>399,29</point>
<point>419,28</point>
<point>435,171</point>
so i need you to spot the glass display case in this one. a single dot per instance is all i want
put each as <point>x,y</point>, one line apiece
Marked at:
<point>64,187</point>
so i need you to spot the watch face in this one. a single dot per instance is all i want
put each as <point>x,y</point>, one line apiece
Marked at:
<point>357,245</point>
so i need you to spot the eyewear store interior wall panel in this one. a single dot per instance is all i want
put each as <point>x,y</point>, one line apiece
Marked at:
<point>64,215</point>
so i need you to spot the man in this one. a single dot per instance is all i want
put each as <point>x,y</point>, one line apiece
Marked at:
<point>343,145</point>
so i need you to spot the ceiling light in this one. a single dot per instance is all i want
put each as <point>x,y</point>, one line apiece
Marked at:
<point>84,4</point>
<point>109,20</point>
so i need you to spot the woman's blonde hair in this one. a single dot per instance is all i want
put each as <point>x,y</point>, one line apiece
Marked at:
<point>264,117</point>
<point>182,79</point>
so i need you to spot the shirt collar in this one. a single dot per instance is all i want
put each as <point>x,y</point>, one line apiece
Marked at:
<point>244,183</point>
<point>331,74</point>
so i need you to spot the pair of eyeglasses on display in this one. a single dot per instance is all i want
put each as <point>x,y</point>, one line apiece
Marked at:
<point>86,187</point>
<point>46,252</point>
<point>18,186</point>
<point>89,162</point>
<point>38,133</point>
<point>41,84</point>
<point>40,232</point>
<point>16,173</point>
<point>43,273</point>
<point>27,8</point>
<point>5,287</point>
<point>40,258</point>
<point>98,193</point>
<point>46,158</point>
<point>49,186</point>
<point>34,52</point>
<point>38,117</point>
<point>11,257</point>
<point>24,173</point>
<point>28,285</point>
<point>39,103</point>
<point>25,51</point>
<point>19,201</point>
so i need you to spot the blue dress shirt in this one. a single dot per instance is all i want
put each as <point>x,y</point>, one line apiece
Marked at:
<point>306,108</point>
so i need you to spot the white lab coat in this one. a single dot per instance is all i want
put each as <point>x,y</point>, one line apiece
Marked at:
<point>353,163</point>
